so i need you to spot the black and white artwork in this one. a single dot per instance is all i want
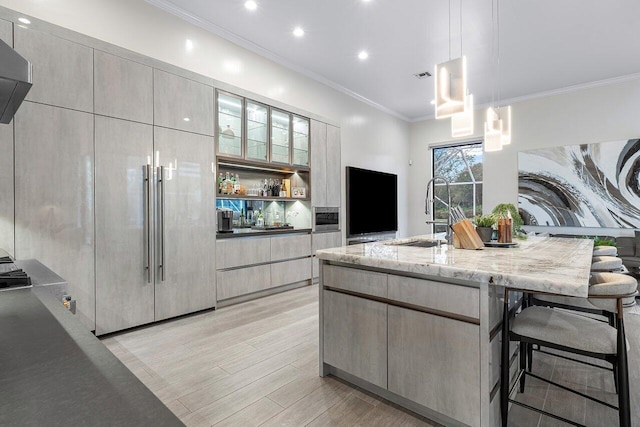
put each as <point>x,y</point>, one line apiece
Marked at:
<point>589,185</point>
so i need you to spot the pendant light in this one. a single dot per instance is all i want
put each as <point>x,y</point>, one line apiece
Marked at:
<point>497,127</point>
<point>450,83</point>
<point>462,124</point>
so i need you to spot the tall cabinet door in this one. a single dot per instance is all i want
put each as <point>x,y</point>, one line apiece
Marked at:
<point>318,163</point>
<point>334,169</point>
<point>54,158</point>
<point>185,235</point>
<point>124,263</point>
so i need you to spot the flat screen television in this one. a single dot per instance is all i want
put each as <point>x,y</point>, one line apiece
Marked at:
<point>372,202</point>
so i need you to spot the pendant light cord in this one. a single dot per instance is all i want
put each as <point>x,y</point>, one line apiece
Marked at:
<point>449,30</point>
<point>493,43</point>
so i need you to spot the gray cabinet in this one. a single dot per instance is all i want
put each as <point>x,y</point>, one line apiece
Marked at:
<point>6,189</point>
<point>180,103</point>
<point>334,169</point>
<point>243,281</point>
<point>323,241</point>
<point>294,271</point>
<point>326,170</point>
<point>355,336</point>
<point>54,186</point>
<point>242,251</point>
<point>123,88</point>
<point>285,247</point>
<point>185,231</point>
<point>6,32</point>
<point>318,163</point>
<point>124,286</point>
<point>62,70</point>
<point>435,361</point>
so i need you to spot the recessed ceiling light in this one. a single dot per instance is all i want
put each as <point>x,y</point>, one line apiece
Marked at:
<point>24,21</point>
<point>298,32</point>
<point>188,44</point>
<point>187,119</point>
<point>363,55</point>
<point>433,102</point>
<point>250,5</point>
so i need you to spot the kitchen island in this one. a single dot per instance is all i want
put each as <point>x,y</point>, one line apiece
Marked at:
<point>420,325</point>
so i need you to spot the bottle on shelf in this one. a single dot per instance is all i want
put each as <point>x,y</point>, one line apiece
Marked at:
<point>226,184</point>
<point>220,180</point>
<point>260,219</point>
<point>283,189</point>
<point>236,184</point>
<point>276,220</point>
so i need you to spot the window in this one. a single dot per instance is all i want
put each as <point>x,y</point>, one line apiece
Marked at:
<point>461,165</point>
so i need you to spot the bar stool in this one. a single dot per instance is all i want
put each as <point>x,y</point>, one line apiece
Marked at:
<point>572,333</point>
<point>605,251</point>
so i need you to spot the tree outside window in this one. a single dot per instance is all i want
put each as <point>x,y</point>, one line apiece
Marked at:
<point>461,165</point>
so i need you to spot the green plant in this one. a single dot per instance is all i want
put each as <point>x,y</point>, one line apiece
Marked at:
<point>485,220</point>
<point>503,210</point>
<point>598,241</point>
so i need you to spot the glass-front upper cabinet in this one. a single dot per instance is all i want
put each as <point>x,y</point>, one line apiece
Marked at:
<point>300,141</point>
<point>257,131</point>
<point>280,126</point>
<point>230,124</point>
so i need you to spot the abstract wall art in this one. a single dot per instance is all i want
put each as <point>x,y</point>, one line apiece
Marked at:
<point>589,185</point>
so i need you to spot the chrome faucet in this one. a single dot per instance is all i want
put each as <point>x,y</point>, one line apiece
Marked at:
<point>429,201</point>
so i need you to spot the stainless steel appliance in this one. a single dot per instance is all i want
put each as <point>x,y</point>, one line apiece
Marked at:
<point>15,81</point>
<point>225,220</point>
<point>326,219</point>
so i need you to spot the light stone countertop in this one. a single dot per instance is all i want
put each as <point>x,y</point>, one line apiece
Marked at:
<point>544,264</point>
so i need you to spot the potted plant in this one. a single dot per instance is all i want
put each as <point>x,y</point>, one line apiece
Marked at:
<point>484,226</point>
<point>504,210</point>
<point>603,241</point>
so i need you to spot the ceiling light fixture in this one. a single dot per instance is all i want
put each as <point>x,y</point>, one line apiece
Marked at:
<point>450,83</point>
<point>462,124</point>
<point>362,55</point>
<point>250,5</point>
<point>497,128</point>
<point>24,21</point>
<point>188,44</point>
<point>298,32</point>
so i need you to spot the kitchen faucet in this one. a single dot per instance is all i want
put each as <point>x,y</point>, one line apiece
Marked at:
<point>429,201</point>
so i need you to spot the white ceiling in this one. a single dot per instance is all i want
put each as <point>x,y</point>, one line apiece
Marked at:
<point>545,45</point>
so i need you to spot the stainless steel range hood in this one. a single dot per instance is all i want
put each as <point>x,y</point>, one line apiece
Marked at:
<point>15,81</point>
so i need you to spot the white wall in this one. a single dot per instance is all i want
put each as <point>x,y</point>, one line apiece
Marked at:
<point>597,114</point>
<point>370,138</point>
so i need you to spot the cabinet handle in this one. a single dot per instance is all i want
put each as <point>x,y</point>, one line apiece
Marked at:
<point>146,188</point>
<point>161,192</point>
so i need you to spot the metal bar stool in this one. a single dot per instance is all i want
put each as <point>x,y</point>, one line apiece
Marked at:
<point>572,333</point>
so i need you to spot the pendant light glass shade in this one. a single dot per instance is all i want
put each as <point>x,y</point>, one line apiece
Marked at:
<point>450,87</point>
<point>505,116</point>
<point>492,131</point>
<point>462,123</point>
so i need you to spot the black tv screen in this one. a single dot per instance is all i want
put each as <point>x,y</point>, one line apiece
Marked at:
<point>372,202</point>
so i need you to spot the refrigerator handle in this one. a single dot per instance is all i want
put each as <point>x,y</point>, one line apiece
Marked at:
<point>147,219</point>
<point>161,191</point>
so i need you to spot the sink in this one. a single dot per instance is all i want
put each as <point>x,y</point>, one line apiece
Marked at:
<point>418,244</point>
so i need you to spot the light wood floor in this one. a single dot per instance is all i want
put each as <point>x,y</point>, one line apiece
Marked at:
<point>256,363</point>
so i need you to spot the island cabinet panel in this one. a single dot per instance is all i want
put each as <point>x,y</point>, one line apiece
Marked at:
<point>294,271</point>
<point>435,361</point>
<point>287,247</point>
<point>62,70</point>
<point>355,336</point>
<point>351,279</point>
<point>242,281</point>
<point>459,300</point>
<point>242,251</point>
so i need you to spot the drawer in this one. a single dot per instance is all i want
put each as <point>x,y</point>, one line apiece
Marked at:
<point>283,273</point>
<point>325,240</point>
<point>455,299</point>
<point>242,281</point>
<point>287,247</point>
<point>236,252</point>
<point>356,280</point>
<point>316,268</point>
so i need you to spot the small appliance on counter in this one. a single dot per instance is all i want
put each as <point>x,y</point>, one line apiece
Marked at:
<point>225,220</point>
<point>11,276</point>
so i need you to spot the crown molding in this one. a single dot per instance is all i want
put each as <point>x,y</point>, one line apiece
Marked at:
<point>171,8</point>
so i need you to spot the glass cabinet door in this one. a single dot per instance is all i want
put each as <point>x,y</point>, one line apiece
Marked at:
<point>257,131</point>
<point>300,141</point>
<point>229,125</point>
<point>280,125</point>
